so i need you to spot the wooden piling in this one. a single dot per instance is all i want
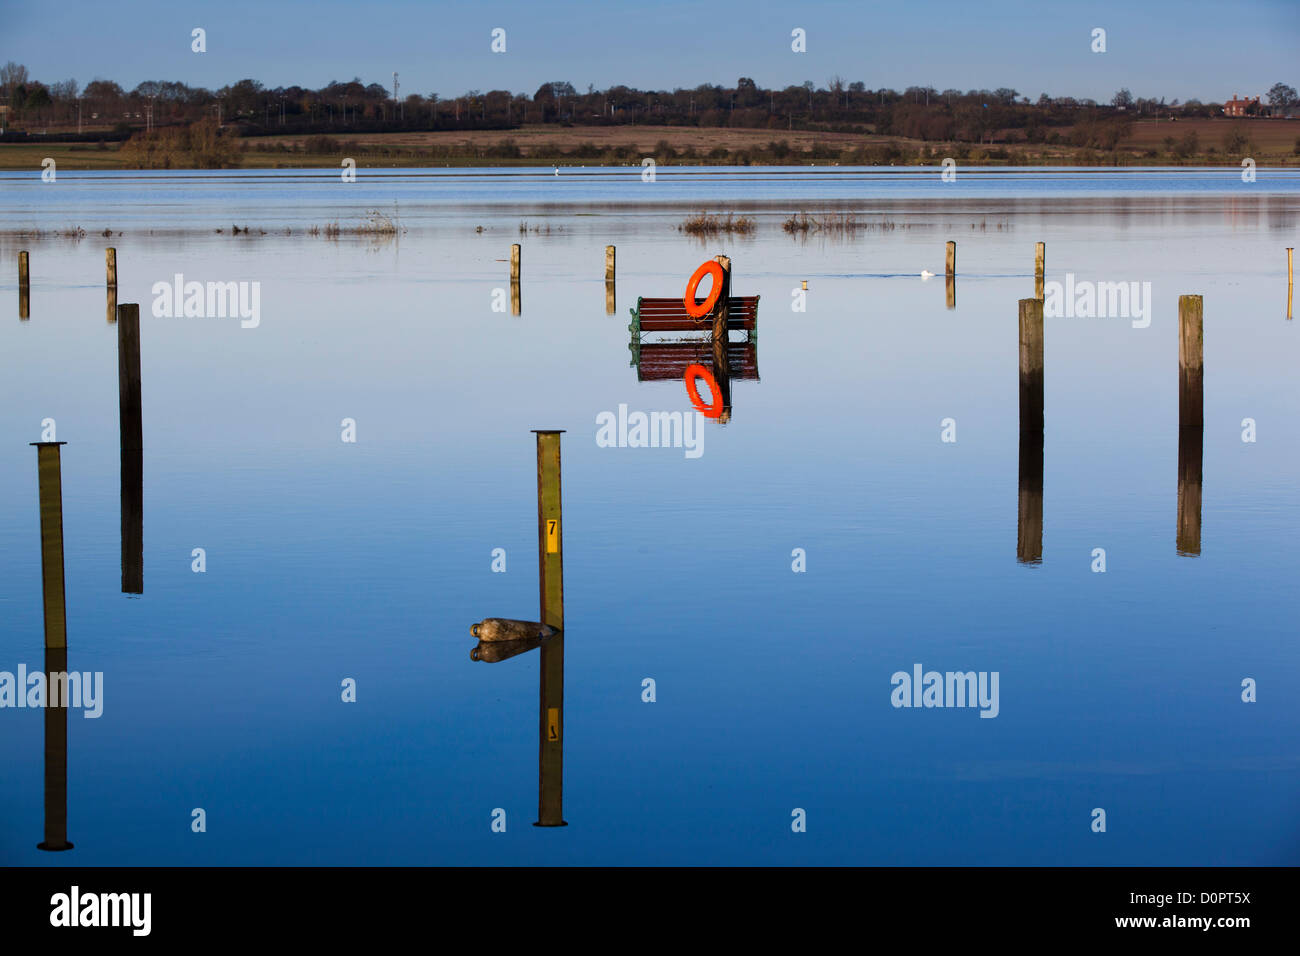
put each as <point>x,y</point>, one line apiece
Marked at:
<point>721,339</point>
<point>1190,453</point>
<point>1290,278</point>
<point>950,289</point>
<point>950,261</point>
<point>131,440</point>
<point>110,264</point>
<point>1191,362</point>
<point>516,299</point>
<point>609,280</point>
<point>609,263</point>
<point>1031,365</point>
<point>24,288</point>
<point>50,484</point>
<point>1040,268</point>
<point>128,376</point>
<point>550,555</point>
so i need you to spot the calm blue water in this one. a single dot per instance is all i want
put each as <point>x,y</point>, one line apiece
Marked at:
<point>329,560</point>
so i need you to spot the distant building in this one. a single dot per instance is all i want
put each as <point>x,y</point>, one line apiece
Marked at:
<point>1237,107</point>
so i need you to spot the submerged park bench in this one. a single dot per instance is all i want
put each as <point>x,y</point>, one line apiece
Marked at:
<point>710,354</point>
<point>659,360</point>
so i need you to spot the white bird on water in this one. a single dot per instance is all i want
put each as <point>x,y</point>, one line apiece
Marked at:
<point>926,274</point>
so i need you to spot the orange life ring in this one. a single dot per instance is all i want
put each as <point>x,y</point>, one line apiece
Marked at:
<point>714,408</point>
<point>711,268</point>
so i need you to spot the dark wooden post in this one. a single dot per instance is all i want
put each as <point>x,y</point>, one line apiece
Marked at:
<point>1191,362</point>
<point>950,260</point>
<point>50,481</point>
<point>24,288</point>
<point>721,340</point>
<point>131,435</point>
<point>550,562</point>
<point>1029,525</point>
<point>1191,421</point>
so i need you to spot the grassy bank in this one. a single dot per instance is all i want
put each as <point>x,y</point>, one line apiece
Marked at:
<point>1196,142</point>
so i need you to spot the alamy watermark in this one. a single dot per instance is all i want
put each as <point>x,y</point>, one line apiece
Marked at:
<point>949,689</point>
<point>78,689</point>
<point>210,300</point>
<point>1086,299</point>
<point>655,430</point>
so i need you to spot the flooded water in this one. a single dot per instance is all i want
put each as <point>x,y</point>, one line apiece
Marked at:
<point>871,425</point>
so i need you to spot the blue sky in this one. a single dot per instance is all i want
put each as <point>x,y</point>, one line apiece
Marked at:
<point>1160,48</point>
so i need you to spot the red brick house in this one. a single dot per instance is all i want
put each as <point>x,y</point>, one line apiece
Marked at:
<point>1236,107</point>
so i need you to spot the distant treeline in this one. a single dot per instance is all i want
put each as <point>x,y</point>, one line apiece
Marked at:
<point>973,116</point>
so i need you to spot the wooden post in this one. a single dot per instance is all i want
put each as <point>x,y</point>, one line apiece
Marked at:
<point>721,340</point>
<point>50,482</point>
<point>1191,365</point>
<point>1031,365</point>
<point>110,261</point>
<point>516,300</point>
<point>950,288</point>
<point>131,439</point>
<point>1040,268</point>
<point>1029,520</point>
<point>1190,447</point>
<point>950,262</point>
<point>609,281</point>
<point>550,563</point>
<point>1290,278</point>
<point>24,290</point>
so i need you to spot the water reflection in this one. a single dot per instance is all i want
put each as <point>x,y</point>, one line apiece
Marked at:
<point>1190,446</point>
<point>50,480</point>
<point>1029,515</point>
